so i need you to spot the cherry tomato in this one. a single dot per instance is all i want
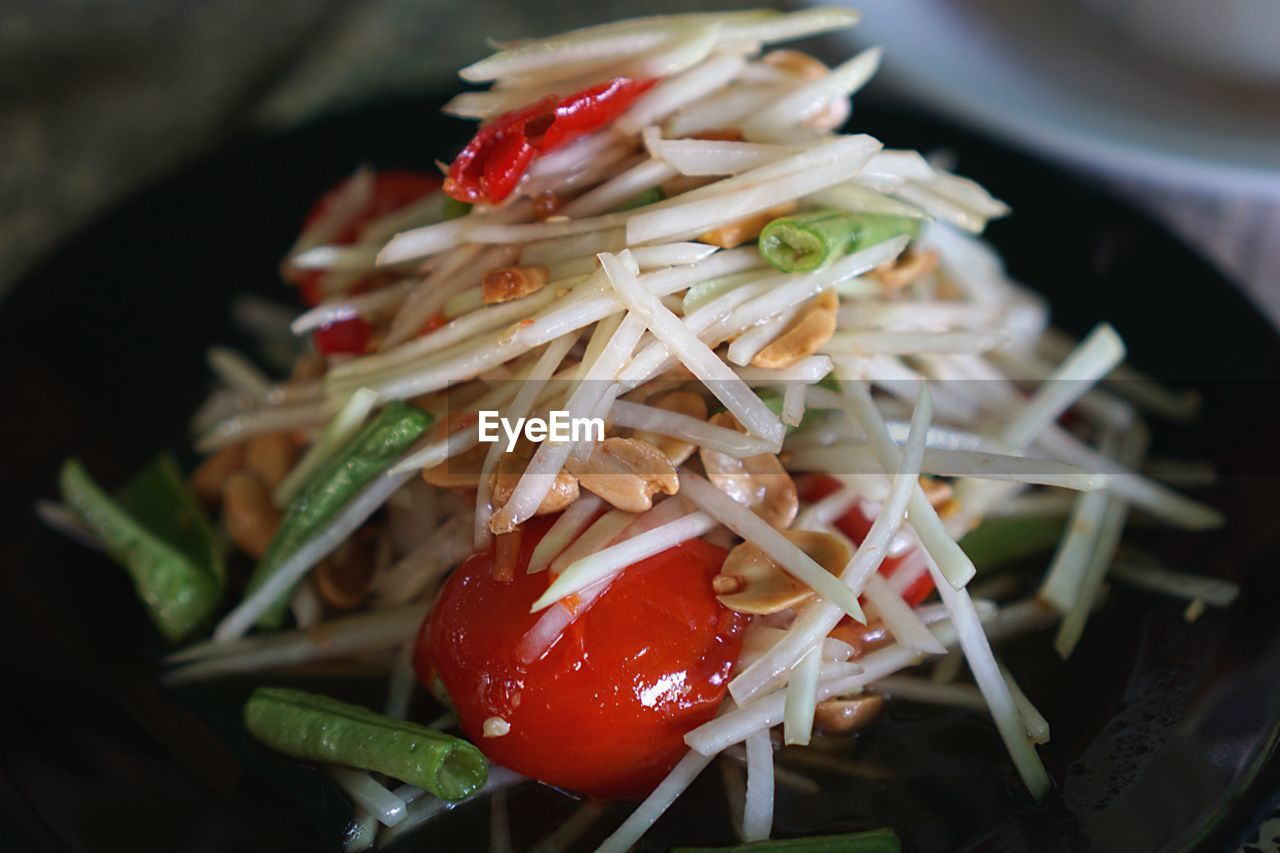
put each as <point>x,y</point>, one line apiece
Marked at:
<point>604,712</point>
<point>855,525</point>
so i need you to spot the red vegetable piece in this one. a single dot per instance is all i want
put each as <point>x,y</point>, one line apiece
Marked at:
<point>496,158</point>
<point>345,336</point>
<point>509,159</point>
<point>592,109</point>
<point>466,174</point>
<point>604,712</point>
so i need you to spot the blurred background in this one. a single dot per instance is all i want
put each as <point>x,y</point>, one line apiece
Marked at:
<point>1174,103</point>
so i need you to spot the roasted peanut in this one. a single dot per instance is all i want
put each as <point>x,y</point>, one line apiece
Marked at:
<point>863,638</point>
<point>845,716</point>
<point>343,578</point>
<point>758,482</point>
<point>685,403</point>
<point>507,283</point>
<point>210,478</point>
<point>506,476</point>
<point>802,338</point>
<point>751,582</point>
<point>748,228</point>
<point>251,517</point>
<point>626,472</point>
<point>270,456</point>
<point>908,268</point>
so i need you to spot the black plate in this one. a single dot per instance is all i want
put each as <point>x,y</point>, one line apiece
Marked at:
<point>1163,731</point>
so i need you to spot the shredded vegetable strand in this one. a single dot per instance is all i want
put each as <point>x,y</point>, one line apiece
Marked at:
<point>817,621</point>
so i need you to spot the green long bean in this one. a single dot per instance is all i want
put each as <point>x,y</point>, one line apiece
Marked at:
<point>322,729</point>
<point>160,535</point>
<point>813,239</point>
<point>368,454</point>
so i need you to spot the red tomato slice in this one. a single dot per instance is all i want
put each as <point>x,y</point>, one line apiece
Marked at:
<point>604,712</point>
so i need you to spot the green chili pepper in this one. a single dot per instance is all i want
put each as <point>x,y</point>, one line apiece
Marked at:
<point>369,453</point>
<point>454,209</point>
<point>1004,540</point>
<point>322,729</point>
<point>649,196</point>
<point>808,241</point>
<point>872,841</point>
<point>161,536</point>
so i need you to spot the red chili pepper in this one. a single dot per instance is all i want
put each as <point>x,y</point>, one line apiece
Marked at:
<point>345,336</point>
<point>491,165</point>
<point>465,181</point>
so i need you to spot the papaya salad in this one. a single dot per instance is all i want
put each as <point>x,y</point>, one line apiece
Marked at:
<point>822,407</point>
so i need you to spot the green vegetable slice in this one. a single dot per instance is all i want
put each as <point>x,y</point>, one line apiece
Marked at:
<point>872,841</point>
<point>367,455</point>
<point>318,728</point>
<point>998,541</point>
<point>161,536</point>
<point>811,240</point>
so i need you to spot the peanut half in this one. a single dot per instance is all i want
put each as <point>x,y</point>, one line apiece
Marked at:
<point>845,716</point>
<point>908,268</point>
<point>759,483</point>
<point>626,472</point>
<point>751,582</point>
<point>804,336</point>
<point>506,475</point>
<point>504,284</point>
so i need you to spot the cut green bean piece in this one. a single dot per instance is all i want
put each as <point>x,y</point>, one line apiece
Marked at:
<point>649,196</point>
<point>322,729</point>
<point>367,455</point>
<point>160,535</point>
<point>811,240</point>
<point>998,541</point>
<point>872,841</point>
